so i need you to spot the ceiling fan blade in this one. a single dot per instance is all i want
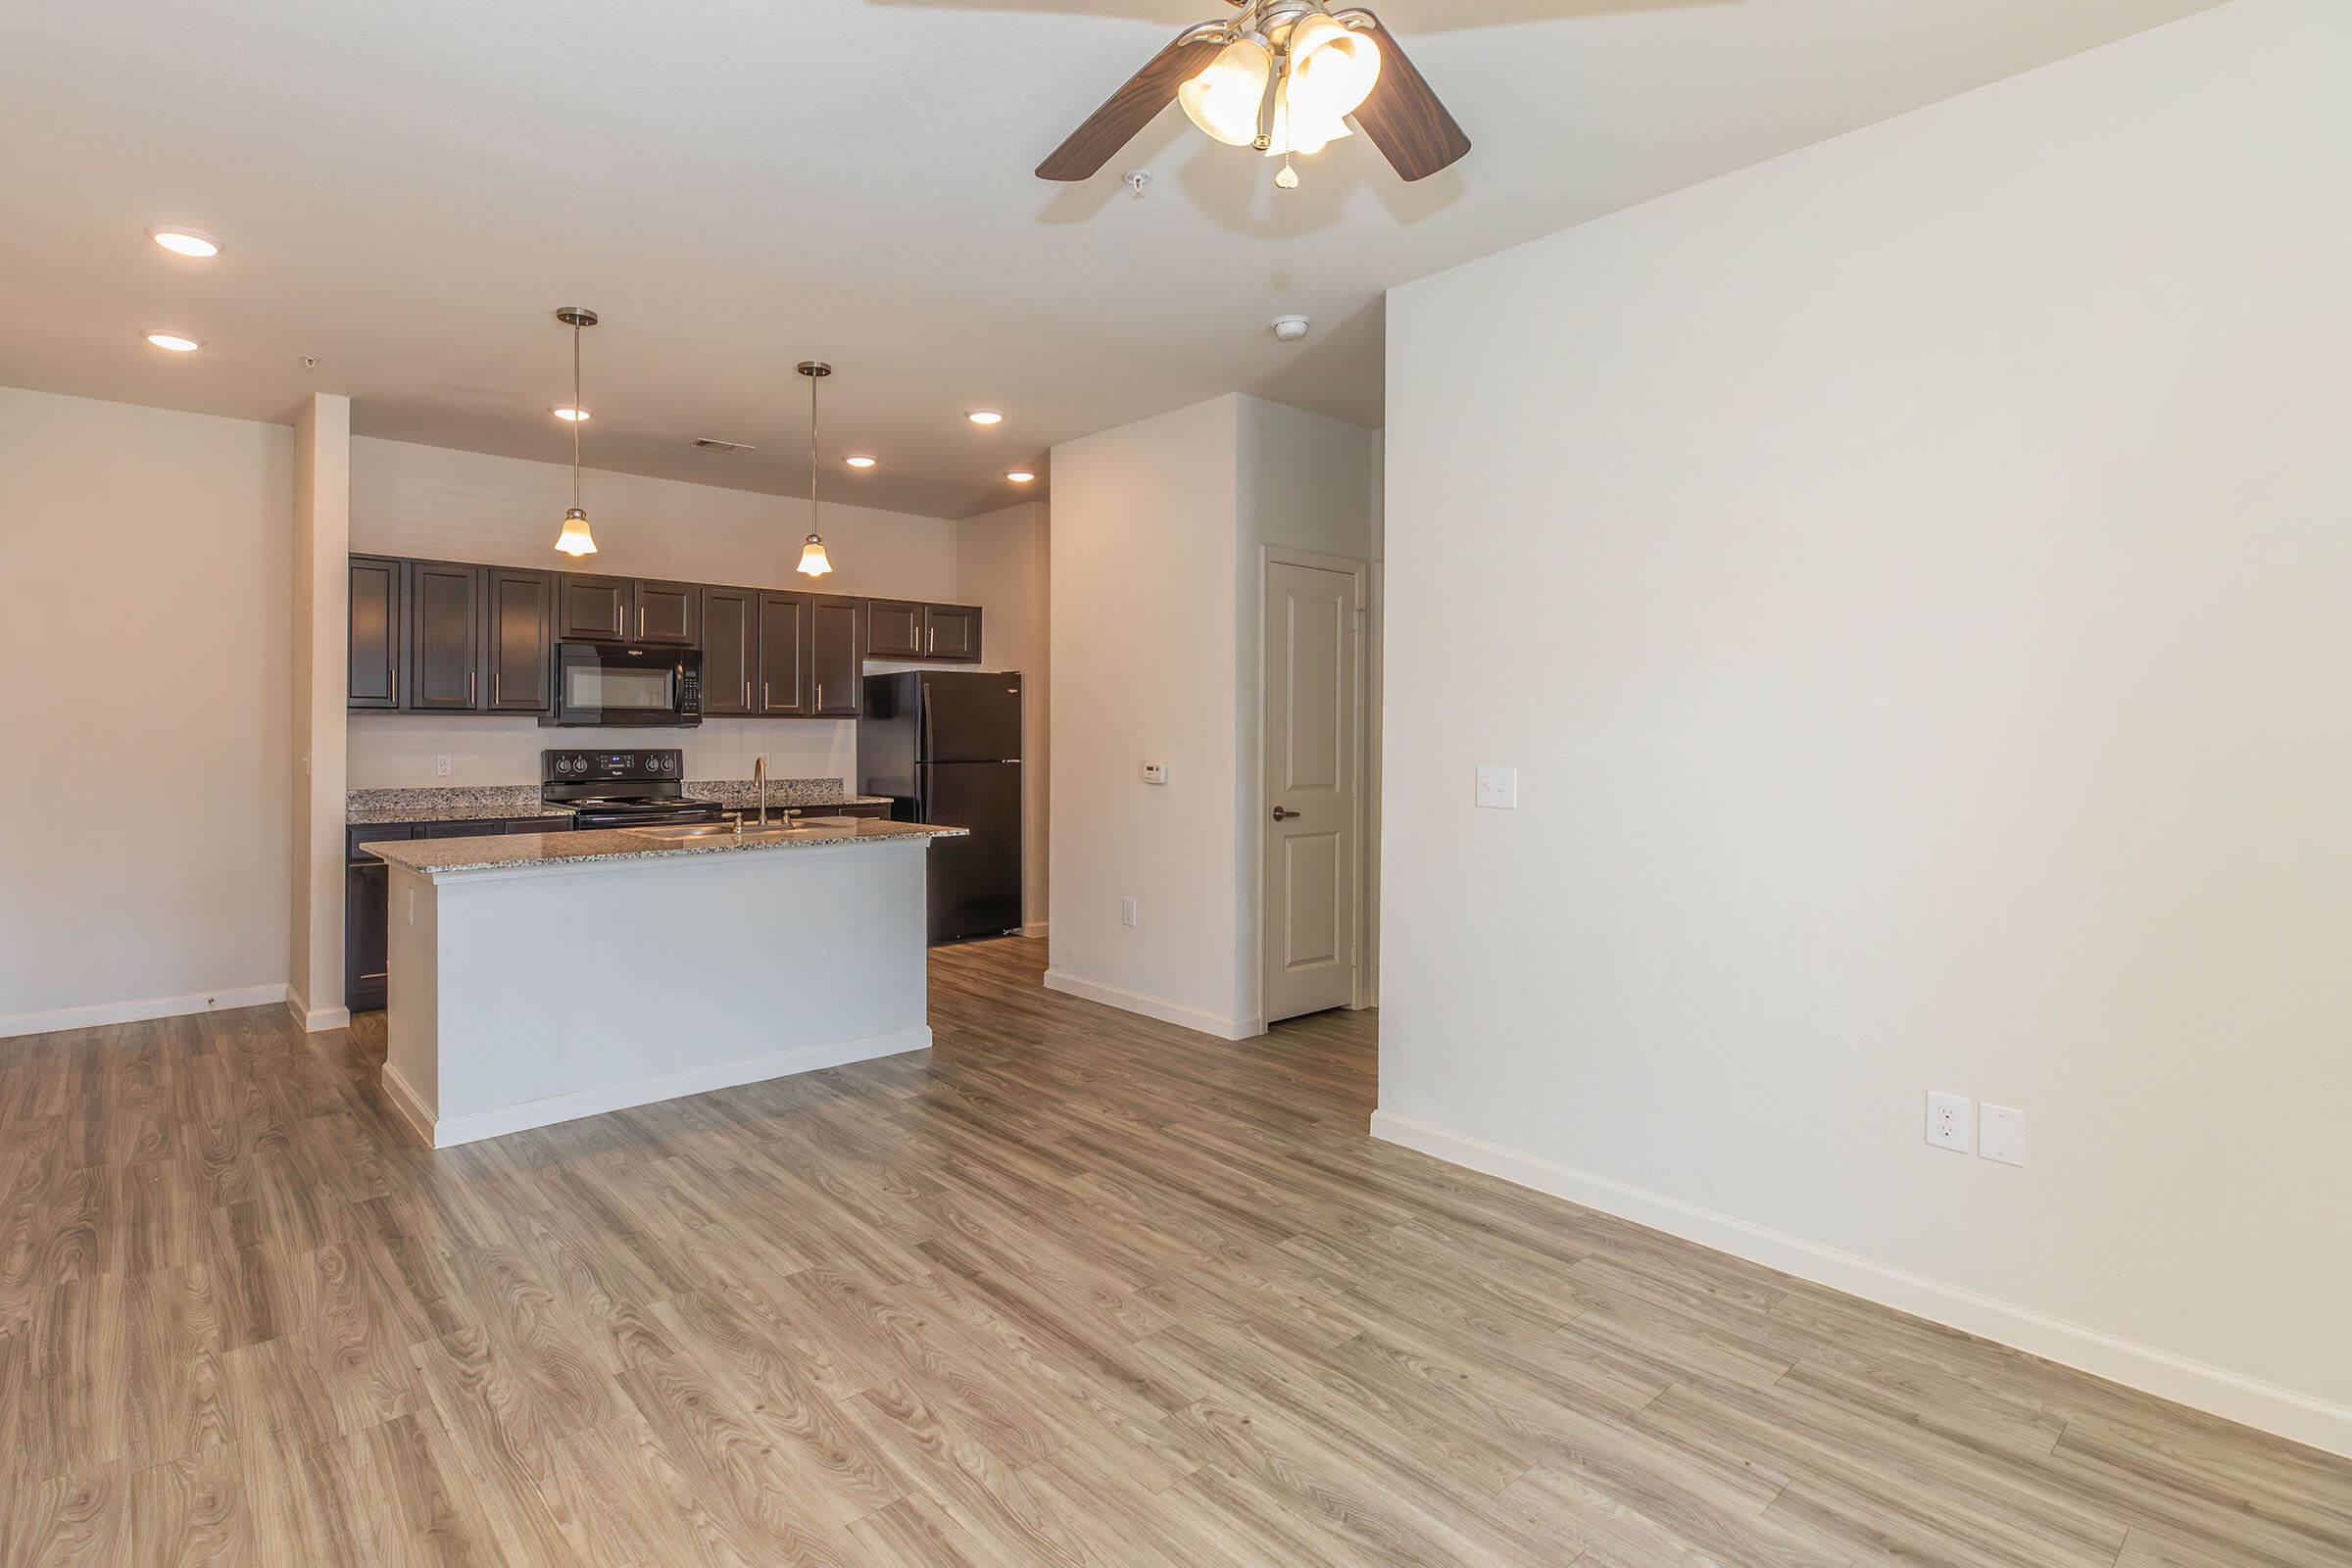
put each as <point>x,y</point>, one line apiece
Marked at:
<point>1403,117</point>
<point>1134,105</point>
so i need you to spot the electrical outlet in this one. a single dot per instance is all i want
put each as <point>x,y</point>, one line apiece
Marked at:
<point>2002,1135</point>
<point>1497,787</point>
<point>1127,912</point>
<point>441,767</point>
<point>1951,1121</point>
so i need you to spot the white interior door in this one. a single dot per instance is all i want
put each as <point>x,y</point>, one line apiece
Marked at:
<point>1312,669</point>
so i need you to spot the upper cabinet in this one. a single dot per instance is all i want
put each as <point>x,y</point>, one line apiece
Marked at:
<point>952,632</point>
<point>835,670</point>
<point>377,630</point>
<point>904,629</point>
<point>445,636</point>
<point>668,613</point>
<point>594,608</point>
<point>893,629</point>
<point>730,651</point>
<point>438,636</point>
<point>519,622</point>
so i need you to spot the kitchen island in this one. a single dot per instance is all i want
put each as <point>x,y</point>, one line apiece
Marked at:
<point>539,977</point>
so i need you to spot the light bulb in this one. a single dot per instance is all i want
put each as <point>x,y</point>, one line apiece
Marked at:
<point>813,562</point>
<point>177,342</point>
<point>1333,70</point>
<point>576,540</point>
<point>1223,99</point>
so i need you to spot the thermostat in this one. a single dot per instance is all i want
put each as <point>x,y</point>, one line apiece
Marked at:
<point>1155,772</point>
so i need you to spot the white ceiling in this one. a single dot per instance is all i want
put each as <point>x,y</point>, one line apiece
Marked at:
<point>408,190</point>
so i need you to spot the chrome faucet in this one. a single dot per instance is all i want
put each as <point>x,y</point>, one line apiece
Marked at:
<point>760,783</point>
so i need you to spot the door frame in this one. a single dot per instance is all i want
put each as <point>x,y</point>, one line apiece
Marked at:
<point>1268,557</point>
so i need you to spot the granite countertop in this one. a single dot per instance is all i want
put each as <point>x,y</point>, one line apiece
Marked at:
<point>440,858</point>
<point>472,803</point>
<point>483,803</point>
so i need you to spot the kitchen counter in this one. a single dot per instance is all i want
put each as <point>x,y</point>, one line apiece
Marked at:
<point>540,977</point>
<point>482,803</point>
<point>471,804</point>
<point>437,858</point>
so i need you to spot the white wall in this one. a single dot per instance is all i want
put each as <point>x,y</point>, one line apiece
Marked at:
<point>1004,563</point>
<point>1306,483</point>
<point>1145,536</point>
<point>409,499</point>
<point>1913,578</point>
<point>320,665</point>
<point>146,855</point>
<point>1158,584</point>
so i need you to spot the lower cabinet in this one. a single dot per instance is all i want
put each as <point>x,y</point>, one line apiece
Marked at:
<point>367,895</point>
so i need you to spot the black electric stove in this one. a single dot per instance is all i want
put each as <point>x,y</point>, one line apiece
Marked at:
<point>622,789</point>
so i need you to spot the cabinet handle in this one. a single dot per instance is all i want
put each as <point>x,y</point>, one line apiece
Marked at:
<point>931,640</point>
<point>641,623</point>
<point>469,688</point>
<point>820,695</point>
<point>498,687</point>
<point>766,702</point>
<point>747,692</point>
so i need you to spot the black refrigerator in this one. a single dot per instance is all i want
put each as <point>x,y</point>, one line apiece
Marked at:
<point>946,747</point>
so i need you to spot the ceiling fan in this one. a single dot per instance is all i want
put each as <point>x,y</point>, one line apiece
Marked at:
<point>1284,76</point>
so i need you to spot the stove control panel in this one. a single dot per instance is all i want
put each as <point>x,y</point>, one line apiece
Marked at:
<point>611,767</point>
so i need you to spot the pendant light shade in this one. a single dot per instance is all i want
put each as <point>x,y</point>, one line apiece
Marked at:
<point>576,540</point>
<point>815,562</point>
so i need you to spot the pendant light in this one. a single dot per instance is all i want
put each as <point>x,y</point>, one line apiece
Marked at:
<point>813,562</point>
<point>576,540</point>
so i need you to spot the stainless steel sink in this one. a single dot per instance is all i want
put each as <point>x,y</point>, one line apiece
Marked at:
<point>706,832</point>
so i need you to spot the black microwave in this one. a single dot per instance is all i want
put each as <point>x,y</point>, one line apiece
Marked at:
<point>622,686</point>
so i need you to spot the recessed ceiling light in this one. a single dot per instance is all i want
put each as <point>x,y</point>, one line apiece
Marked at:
<point>575,416</point>
<point>1020,476</point>
<point>185,241</point>
<point>861,461</point>
<point>984,416</point>
<point>177,342</point>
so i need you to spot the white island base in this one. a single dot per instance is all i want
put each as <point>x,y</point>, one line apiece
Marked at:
<point>528,994</point>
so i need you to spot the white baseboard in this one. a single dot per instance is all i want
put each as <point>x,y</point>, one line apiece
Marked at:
<point>442,1132</point>
<point>106,1013</point>
<point>2197,1384</point>
<point>315,1020</point>
<point>1207,1023</point>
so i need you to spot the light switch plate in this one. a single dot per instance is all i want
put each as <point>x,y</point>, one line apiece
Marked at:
<point>1951,1121</point>
<point>2002,1135</point>
<point>1497,787</point>
<point>1127,912</point>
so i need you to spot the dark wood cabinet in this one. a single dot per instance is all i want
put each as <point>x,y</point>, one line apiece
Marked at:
<point>445,637</point>
<point>518,618</point>
<point>594,608</point>
<point>952,632</point>
<point>784,655</point>
<point>837,630</point>
<point>730,651</point>
<point>894,629</point>
<point>376,632</point>
<point>440,636</point>
<point>366,894</point>
<point>668,613</point>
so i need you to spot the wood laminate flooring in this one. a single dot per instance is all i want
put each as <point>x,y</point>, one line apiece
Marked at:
<point>1073,1288</point>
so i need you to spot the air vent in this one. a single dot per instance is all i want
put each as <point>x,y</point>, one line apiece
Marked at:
<point>707,444</point>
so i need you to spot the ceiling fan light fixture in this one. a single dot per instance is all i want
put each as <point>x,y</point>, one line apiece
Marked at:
<point>1333,69</point>
<point>1223,99</point>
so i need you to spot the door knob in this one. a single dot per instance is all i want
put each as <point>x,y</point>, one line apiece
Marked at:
<point>1283,814</point>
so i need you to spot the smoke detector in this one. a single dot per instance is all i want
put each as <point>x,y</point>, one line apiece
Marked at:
<point>1289,328</point>
<point>712,444</point>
